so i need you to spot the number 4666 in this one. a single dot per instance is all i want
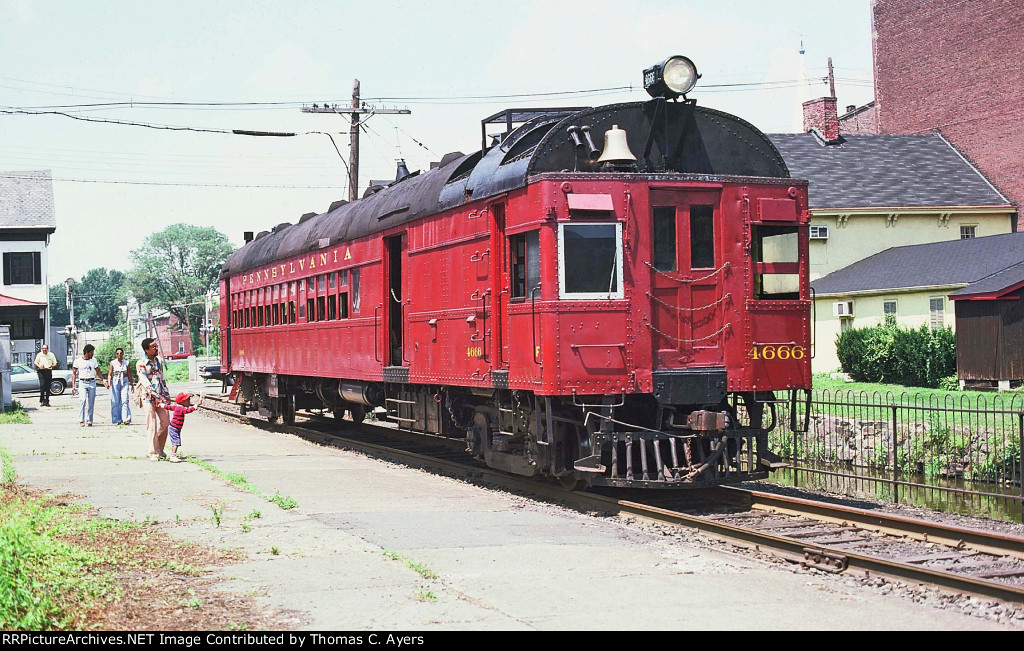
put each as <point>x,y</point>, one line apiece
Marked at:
<point>777,352</point>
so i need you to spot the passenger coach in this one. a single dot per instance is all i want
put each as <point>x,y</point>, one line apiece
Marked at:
<point>624,314</point>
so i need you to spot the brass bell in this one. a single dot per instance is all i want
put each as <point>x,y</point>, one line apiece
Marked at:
<point>616,149</point>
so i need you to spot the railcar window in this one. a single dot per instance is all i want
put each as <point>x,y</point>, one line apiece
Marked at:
<point>331,280</point>
<point>524,251</point>
<point>310,284</point>
<point>291,311</point>
<point>664,253</point>
<point>775,251</point>
<point>343,278</point>
<point>321,308</point>
<point>306,311</point>
<point>355,291</point>
<point>259,316</point>
<point>702,237</point>
<point>343,305</point>
<point>590,261</point>
<point>246,318</point>
<point>321,282</point>
<point>276,313</point>
<point>332,307</point>
<point>266,314</point>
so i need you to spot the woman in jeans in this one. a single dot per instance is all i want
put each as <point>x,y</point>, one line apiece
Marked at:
<point>151,379</point>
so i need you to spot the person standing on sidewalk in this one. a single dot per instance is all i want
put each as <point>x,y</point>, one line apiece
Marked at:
<point>121,386</point>
<point>150,371</point>
<point>45,363</point>
<point>84,372</point>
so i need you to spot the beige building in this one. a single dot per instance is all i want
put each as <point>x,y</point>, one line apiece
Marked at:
<point>870,193</point>
<point>912,283</point>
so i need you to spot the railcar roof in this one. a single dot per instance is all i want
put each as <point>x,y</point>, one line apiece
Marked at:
<point>666,137</point>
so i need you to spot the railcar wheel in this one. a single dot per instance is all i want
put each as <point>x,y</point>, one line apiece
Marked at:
<point>338,413</point>
<point>288,409</point>
<point>358,413</point>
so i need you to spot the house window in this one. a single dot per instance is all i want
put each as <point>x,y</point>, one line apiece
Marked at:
<point>845,324</point>
<point>968,232</point>
<point>889,311</point>
<point>23,268</point>
<point>936,307</point>
<point>181,347</point>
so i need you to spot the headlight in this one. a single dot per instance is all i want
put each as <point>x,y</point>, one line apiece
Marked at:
<point>671,78</point>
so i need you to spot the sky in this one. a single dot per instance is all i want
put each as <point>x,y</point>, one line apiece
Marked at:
<point>255,63</point>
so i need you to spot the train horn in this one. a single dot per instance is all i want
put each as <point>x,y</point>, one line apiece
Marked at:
<point>616,149</point>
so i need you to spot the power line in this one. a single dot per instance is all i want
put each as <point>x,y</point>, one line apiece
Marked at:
<point>189,185</point>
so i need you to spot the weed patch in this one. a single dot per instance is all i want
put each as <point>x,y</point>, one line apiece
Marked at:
<point>240,481</point>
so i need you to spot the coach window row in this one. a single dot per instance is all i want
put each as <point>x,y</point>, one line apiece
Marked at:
<point>326,297</point>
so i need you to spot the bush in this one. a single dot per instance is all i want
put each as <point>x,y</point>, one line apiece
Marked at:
<point>890,353</point>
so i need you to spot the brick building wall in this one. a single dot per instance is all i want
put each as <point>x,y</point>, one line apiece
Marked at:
<point>955,68</point>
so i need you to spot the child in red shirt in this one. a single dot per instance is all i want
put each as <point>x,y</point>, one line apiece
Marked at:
<point>182,406</point>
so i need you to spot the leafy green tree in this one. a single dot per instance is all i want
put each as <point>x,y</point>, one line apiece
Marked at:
<point>177,266</point>
<point>98,297</point>
<point>59,316</point>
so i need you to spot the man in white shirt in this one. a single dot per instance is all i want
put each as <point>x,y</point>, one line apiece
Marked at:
<point>84,373</point>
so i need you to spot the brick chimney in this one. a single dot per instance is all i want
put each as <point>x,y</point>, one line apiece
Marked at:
<point>821,114</point>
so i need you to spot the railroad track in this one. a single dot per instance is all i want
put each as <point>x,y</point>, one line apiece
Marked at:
<point>826,537</point>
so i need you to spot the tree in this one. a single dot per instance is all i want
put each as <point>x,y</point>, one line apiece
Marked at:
<point>59,316</point>
<point>177,266</point>
<point>98,297</point>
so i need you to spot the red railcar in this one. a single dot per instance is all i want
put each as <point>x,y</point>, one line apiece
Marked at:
<point>621,319</point>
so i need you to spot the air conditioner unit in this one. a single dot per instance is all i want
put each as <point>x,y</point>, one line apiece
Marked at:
<point>819,232</point>
<point>842,309</point>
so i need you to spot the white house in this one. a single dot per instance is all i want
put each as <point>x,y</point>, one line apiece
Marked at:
<point>27,220</point>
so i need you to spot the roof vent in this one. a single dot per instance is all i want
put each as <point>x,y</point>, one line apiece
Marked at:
<point>306,216</point>
<point>247,236</point>
<point>336,204</point>
<point>281,227</point>
<point>402,171</point>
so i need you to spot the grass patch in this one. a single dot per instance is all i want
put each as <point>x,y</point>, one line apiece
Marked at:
<point>7,473</point>
<point>427,596</point>
<point>240,481</point>
<point>419,568</point>
<point>15,415</point>
<point>176,371</point>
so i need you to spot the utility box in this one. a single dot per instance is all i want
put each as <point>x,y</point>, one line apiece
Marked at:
<point>5,366</point>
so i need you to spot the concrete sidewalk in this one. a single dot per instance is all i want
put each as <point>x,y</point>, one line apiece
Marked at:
<point>501,561</point>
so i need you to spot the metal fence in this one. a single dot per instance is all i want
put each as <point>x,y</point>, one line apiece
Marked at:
<point>951,452</point>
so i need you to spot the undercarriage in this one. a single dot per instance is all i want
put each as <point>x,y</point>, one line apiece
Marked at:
<point>621,440</point>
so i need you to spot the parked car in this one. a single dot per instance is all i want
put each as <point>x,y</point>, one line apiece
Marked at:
<point>213,372</point>
<point>24,378</point>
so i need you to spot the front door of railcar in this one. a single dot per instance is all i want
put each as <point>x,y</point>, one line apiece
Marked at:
<point>688,320</point>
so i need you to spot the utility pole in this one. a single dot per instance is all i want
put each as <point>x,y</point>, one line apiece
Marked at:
<point>831,80</point>
<point>353,132</point>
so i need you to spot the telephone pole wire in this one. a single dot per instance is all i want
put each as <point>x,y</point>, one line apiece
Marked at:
<point>353,132</point>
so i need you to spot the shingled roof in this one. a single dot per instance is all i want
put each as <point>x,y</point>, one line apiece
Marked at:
<point>26,200</point>
<point>875,171</point>
<point>955,262</point>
